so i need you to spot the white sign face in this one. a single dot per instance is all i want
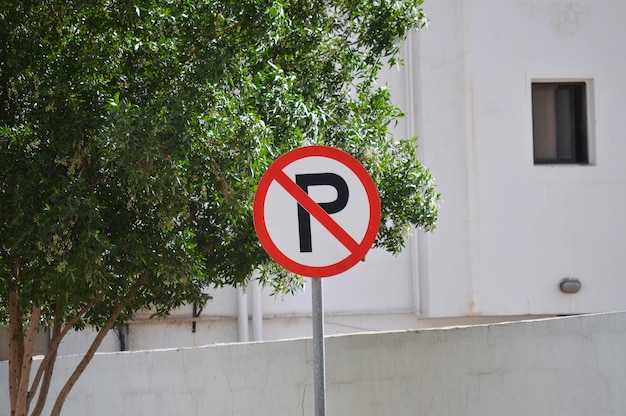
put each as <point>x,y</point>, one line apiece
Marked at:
<point>316,211</point>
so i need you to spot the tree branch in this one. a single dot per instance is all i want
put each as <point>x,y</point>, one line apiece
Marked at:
<point>80,368</point>
<point>46,368</point>
<point>47,364</point>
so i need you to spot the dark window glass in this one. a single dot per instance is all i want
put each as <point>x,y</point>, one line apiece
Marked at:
<point>560,122</point>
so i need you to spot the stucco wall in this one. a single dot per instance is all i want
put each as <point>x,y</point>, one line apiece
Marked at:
<point>573,366</point>
<point>509,230</point>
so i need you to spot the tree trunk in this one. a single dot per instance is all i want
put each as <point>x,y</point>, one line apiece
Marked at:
<point>21,404</point>
<point>16,341</point>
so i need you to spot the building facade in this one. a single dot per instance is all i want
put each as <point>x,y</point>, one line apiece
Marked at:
<point>520,108</point>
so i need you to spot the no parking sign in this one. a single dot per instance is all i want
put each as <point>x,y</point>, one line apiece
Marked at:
<point>316,211</point>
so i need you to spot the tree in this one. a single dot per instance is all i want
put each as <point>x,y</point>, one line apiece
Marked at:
<point>133,134</point>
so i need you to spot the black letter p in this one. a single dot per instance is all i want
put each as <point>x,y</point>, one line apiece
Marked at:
<point>304,218</point>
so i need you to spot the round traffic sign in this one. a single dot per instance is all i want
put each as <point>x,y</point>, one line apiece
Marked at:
<point>316,211</point>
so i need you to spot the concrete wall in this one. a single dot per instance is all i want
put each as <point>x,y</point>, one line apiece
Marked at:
<point>573,366</point>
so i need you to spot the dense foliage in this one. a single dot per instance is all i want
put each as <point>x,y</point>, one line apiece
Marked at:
<point>133,134</point>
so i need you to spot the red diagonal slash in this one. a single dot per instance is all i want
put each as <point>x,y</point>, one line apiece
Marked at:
<point>316,211</point>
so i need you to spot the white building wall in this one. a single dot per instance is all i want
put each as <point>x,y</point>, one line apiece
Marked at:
<point>566,366</point>
<point>509,231</point>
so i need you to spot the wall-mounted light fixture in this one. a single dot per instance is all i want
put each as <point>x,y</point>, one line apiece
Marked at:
<point>570,285</point>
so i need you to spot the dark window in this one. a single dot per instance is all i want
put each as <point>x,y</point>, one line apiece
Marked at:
<point>560,122</point>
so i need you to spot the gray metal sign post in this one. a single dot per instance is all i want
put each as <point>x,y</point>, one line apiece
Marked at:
<point>319,349</point>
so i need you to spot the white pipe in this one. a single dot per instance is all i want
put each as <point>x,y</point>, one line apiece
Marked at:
<point>257,310</point>
<point>417,242</point>
<point>242,315</point>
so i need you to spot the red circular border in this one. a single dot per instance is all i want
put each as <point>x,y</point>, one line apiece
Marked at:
<point>259,211</point>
